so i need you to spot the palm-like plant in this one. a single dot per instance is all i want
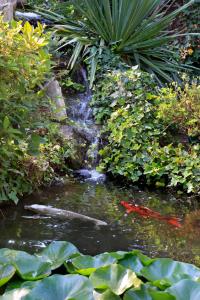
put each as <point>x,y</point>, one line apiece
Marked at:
<point>135,29</point>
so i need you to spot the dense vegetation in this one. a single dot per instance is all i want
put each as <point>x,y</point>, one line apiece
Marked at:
<point>115,275</point>
<point>30,149</point>
<point>143,65</point>
<point>136,30</point>
<point>140,119</point>
<point>140,123</point>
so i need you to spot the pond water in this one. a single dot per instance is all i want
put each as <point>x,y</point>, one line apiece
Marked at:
<point>21,229</point>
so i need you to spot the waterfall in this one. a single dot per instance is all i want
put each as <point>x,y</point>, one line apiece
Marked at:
<point>80,112</point>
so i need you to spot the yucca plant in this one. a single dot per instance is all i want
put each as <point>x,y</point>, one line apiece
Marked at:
<point>137,30</point>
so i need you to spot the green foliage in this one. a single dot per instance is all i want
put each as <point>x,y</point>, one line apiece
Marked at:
<point>118,88</point>
<point>161,278</point>
<point>139,140</point>
<point>136,30</point>
<point>55,6</point>
<point>181,108</point>
<point>29,151</point>
<point>189,46</point>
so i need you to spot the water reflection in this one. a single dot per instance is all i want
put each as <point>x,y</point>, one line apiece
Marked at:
<point>21,229</point>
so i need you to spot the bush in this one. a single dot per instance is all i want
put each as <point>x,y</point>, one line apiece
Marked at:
<point>119,88</point>
<point>181,108</point>
<point>139,141</point>
<point>25,111</point>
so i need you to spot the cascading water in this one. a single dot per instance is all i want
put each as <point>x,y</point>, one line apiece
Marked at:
<point>80,112</point>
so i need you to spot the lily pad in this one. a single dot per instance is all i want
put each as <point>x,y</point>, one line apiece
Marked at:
<point>58,252</point>
<point>169,271</point>
<point>185,290</point>
<point>114,277</point>
<point>7,256</point>
<point>107,295</point>
<point>132,261</point>
<point>62,287</point>
<point>16,294</point>
<point>86,264</point>
<point>6,273</point>
<point>19,283</point>
<point>147,293</point>
<point>30,267</point>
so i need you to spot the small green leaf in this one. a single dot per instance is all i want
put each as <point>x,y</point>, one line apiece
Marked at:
<point>6,123</point>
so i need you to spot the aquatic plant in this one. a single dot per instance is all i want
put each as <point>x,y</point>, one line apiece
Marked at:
<point>115,275</point>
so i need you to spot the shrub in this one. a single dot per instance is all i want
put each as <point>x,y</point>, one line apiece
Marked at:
<point>181,108</point>
<point>139,144</point>
<point>25,111</point>
<point>118,88</point>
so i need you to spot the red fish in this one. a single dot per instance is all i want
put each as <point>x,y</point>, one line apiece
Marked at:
<point>146,212</point>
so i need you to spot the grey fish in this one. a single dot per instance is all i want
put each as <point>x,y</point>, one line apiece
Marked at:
<point>61,213</point>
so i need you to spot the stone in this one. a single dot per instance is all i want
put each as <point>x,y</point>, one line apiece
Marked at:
<point>7,7</point>
<point>54,92</point>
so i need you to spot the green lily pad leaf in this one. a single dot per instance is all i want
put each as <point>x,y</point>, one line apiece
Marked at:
<point>132,261</point>
<point>141,293</point>
<point>58,252</point>
<point>185,290</point>
<point>7,256</point>
<point>158,295</point>
<point>62,287</point>
<point>19,283</point>
<point>147,293</point>
<point>107,295</point>
<point>145,260</point>
<point>118,254</point>
<point>16,294</point>
<point>6,273</point>
<point>114,277</point>
<point>86,264</point>
<point>170,271</point>
<point>30,267</point>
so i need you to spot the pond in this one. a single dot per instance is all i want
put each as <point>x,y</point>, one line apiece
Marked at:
<point>21,229</point>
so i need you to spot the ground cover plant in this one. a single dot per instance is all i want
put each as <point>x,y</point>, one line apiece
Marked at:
<point>61,272</point>
<point>140,123</point>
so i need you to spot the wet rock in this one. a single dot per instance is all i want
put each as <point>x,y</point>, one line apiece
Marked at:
<point>79,144</point>
<point>58,181</point>
<point>28,16</point>
<point>8,7</point>
<point>83,173</point>
<point>91,175</point>
<point>54,92</point>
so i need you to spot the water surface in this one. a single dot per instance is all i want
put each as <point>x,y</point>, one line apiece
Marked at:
<point>21,229</point>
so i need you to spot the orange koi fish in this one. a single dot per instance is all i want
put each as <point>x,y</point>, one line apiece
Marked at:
<point>148,213</point>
